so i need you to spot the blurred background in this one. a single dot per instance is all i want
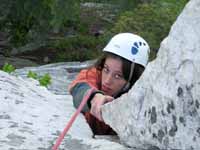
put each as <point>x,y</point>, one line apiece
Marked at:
<point>38,32</point>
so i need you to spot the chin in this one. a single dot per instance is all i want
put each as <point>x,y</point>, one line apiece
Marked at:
<point>108,93</point>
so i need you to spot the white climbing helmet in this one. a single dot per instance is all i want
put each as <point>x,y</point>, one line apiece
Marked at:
<point>129,46</point>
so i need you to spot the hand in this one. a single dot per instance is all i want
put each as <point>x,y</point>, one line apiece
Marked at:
<point>96,103</point>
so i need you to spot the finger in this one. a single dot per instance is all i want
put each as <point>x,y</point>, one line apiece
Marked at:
<point>100,115</point>
<point>109,98</point>
<point>96,113</point>
<point>92,110</point>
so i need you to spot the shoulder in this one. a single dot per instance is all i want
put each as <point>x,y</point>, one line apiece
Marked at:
<point>91,76</point>
<point>90,72</point>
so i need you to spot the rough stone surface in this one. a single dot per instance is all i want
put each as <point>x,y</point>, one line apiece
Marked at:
<point>16,62</point>
<point>59,72</point>
<point>31,118</point>
<point>162,110</point>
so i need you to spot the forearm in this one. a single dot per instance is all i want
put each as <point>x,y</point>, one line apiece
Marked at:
<point>79,91</point>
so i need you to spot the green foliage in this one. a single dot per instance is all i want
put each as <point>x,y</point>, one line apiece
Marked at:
<point>8,68</point>
<point>126,4</point>
<point>44,80</point>
<point>33,20</point>
<point>151,21</point>
<point>121,4</point>
<point>71,24</point>
<point>32,75</point>
<point>78,48</point>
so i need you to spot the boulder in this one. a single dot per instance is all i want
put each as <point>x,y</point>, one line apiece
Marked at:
<point>32,118</point>
<point>162,110</point>
<point>61,74</point>
<point>16,62</point>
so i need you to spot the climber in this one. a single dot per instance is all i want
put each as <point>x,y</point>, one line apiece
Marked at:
<point>114,73</point>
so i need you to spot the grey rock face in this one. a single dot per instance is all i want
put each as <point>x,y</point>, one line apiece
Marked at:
<point>32,118</point>
<point>61,74</point>
<point>16,62</point>
<point>162,110</point>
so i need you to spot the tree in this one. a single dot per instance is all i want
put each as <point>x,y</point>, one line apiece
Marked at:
<point>33,20</point>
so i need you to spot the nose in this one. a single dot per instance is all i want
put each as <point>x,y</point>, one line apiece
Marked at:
<point>108,79</point>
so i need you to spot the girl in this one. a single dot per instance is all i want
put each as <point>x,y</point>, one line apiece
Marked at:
<point>124,59</point>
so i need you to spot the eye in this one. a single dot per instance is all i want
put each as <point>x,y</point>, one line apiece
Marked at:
<point>105,69</point>
<point>118,76</point>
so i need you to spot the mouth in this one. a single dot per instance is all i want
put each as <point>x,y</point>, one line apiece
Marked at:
<point>105,88</point>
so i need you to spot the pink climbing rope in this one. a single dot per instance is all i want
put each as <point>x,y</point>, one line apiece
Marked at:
<point>69,124</point>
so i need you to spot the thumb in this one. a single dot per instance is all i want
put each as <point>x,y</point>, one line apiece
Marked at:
<point>109,98</point>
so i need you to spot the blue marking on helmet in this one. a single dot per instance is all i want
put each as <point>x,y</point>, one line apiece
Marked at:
<point>136,44</point>
<point>134,48</point>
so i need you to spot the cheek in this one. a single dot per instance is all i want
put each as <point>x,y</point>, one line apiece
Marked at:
<point>118,85</point>
<point>102,77</point>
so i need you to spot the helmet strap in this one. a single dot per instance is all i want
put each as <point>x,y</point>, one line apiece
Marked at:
<point>127,86</point>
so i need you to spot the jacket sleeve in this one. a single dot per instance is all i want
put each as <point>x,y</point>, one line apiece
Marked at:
<point>88,76</point>
<point>85,80</point>
<point>78,92</point>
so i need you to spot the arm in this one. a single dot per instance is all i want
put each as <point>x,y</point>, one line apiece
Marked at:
<point>78,93</point>
<point>85,80</point>
<point>97,101</point>
<point>79,87</point>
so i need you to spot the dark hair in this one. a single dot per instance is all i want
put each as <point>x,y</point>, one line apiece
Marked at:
<point>126,67</point>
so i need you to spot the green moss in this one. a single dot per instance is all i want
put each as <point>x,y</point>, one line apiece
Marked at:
<point>44,80</point>
<point>32,75</point>
<point>8,68</point>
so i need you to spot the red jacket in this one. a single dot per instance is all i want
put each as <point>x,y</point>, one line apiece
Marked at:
<point>86,79</point>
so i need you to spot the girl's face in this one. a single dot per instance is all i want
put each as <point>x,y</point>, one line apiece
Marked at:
<point>112,76</point>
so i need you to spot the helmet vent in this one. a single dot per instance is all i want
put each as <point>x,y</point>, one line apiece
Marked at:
<point>117,46</point>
